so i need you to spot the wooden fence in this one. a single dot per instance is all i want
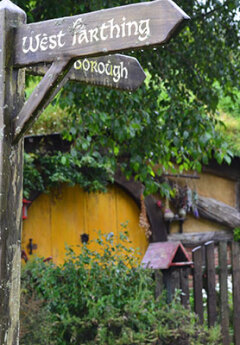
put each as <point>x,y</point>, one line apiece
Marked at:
<point>215,280</point>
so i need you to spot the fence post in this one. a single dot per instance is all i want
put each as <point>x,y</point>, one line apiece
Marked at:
<point>184,286</point>
<point>197,282</point>
<point>236,291</point>
<point>211,291</point>
<point>223,277</point>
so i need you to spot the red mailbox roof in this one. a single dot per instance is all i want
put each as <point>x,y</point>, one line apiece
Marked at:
<point>163,255</point>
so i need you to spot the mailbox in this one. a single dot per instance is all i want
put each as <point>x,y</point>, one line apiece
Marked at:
<point>171,263</point>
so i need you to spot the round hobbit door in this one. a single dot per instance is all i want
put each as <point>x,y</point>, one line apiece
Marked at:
<point>69,216</point>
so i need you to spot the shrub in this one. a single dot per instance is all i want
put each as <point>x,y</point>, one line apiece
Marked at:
<point>104,297</point>
<point>35,320</point>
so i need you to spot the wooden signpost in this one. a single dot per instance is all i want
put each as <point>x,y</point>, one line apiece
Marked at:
<point>59,42</point>
<point>98,33</point>
<point>117,71</point>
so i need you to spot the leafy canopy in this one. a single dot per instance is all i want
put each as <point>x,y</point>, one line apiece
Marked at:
<point>172,118</point>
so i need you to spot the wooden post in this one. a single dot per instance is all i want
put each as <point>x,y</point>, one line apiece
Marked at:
<point>171,282</point>
<point>236,290</point>
<point>11,164</point>
<point>223,276</point>
<point>197,282</point>
<point>159,283</point>
<point>184,286</point>
<point>211,292</point>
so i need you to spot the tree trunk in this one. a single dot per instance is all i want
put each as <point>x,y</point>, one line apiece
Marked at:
<point>11,164</point>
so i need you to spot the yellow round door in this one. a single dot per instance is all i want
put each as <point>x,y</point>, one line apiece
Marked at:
<point>70,216</point>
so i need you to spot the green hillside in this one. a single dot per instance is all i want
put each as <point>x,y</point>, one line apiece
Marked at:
<point>229,110</point>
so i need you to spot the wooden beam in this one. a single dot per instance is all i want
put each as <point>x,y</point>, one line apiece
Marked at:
<point>193,239</point>
<point>41,97</point>
<point>218,212</point>
<point>231,172</point>
<point>12,83</point>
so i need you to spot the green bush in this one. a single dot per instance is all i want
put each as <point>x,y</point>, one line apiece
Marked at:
<point>236,234</point>
<point>103,298</point>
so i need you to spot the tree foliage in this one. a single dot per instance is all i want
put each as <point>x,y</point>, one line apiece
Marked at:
<point>172,118</point>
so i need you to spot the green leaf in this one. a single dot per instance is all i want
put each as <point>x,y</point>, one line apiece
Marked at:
<point>63,160</point>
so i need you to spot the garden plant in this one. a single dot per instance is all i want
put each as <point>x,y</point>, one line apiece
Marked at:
<point>103,297</point>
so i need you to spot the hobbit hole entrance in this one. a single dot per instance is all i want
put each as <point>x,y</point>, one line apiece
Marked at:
<point>70,216</point>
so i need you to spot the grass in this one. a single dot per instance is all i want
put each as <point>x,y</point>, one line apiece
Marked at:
<point>229,110</point>
<point>231,131</point>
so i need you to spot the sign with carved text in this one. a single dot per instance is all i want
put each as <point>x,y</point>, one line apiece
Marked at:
<point>115,71</point>
<point>98,33</point>
<point>58,43</point>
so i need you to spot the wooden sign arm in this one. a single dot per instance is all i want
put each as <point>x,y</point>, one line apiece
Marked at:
<point>55,91</point>
<point>42,95</point>
<point>38,70</point>
<point>98,33</point>
<point>116,71</point>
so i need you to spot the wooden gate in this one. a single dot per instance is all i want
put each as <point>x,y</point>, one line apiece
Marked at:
<point>214,281</point>
<point>220,277</point>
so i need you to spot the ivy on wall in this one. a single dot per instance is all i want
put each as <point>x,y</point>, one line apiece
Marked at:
<point>44,171</point>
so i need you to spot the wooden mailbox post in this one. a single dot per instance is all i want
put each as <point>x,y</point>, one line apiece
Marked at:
<point>60,43</point>
<point>170,262</point>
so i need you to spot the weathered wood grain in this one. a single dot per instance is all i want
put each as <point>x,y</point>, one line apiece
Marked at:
<point>211,282</point>
<point>40,98</point>
<point>219,212</point>
<point>171,282</point>
<point>223,277</point>
<point>184,286</point>
<point>197,282</point>
<point>99,33</point>
<point>117,71</point>
<point>236,291</point>
<point>198,238</point>
<point>11,165</point>
<point>159,283</point>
